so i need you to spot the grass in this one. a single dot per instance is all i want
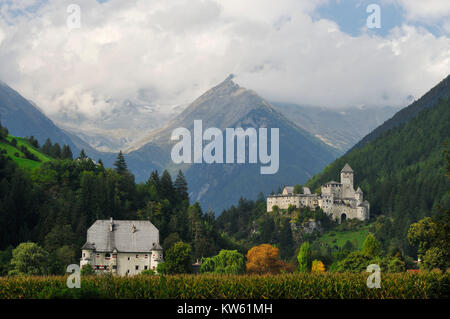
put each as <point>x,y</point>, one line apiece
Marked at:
<point>337,237</point>
<point>23,162</point>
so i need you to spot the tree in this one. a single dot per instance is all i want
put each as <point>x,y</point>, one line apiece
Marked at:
<point>55,151</point>
<point>226,262</point>
<point>317,266</point>
<point>431,237</point>
<point>82,155</point>
<point>304,257</point>
<point>181,186</point>
<point>120,164</point>
<point>178,259</point>
<point>66,152</point>
<point>371,247</point>
<point>354,262</point>
<point>87,270</point>
<point>263,259</point>
<point>28,259</point>
<point>297,189</point>
<point>46,148</point>
<point>166,187</point>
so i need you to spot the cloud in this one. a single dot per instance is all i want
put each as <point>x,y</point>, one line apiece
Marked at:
<point>175,50</point>
<point>428,11</point>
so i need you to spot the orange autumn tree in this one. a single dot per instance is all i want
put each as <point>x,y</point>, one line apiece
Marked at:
<point>317,266</point>
<point>264,259</point>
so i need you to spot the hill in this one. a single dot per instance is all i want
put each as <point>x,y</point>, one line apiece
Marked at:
<point>402,172</point>
<point>18,154</point>
<point>440,91</point>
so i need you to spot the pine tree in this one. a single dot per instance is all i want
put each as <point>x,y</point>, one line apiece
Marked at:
<point>120,164</point>
<point>46,148</point>
<point>55,151</point>
<point>167,189</point>
<point>181,186</point>
<point>82,155</point>
<point>66,152</point>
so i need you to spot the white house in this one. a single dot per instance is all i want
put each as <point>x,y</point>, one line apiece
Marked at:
<point>123,247</point>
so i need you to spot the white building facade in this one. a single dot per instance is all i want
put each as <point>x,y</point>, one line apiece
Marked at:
<point>122,247</point>
<point>339,200</point>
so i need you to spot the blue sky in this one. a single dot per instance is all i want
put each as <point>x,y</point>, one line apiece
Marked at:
<point>351,16</point>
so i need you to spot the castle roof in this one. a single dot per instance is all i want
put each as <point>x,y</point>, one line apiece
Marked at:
<point>126,236</point>
<point>347,169</point>
<point>359,190</point>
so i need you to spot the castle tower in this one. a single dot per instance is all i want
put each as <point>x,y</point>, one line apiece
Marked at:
<point>359,196</point>
<point>347,175</point>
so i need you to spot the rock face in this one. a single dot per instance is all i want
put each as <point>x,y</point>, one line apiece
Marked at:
<point>218,186</point>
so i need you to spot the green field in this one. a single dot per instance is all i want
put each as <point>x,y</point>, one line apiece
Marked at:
<point>23,162</point>
<point>290,286</point>
<point>339,237</point>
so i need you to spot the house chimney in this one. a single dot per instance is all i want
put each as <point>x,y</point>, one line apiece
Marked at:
<point>111,224</point>
<point>133,228</point>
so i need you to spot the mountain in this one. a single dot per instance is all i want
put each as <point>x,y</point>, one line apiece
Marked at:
<point>23,118</point>
<point>339,128</point>
<point>217,186</point>
<point>117,128</point>
<point>401,169</point>
<point>440,91</point>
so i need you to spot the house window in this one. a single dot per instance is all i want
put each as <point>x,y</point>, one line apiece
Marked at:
<point>146,256</point>
<point>107,256</point>
<point>114,267</point>
<point>137,256</point>
<point>97,267</point>
<point>145,267</point>
<point>128,258</point>
<point>137,267</point>
<point>98,255</point>
<point>84,255</point>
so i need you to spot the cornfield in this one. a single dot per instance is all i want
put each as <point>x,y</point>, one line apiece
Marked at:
<point>285,286</point>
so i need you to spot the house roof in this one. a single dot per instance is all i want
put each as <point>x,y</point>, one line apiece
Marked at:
<point>289,189</point>
<point>144,238</point>
<point>347,169</point>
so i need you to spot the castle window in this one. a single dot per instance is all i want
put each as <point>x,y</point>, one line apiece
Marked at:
<point>107,256</point>
<point>146,256</point>
<point>114,267</point>
<point>137,267</point>
<point>145,267</point>
<point>137,256</point>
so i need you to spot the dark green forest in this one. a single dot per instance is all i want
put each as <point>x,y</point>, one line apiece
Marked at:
<point>402,174</point>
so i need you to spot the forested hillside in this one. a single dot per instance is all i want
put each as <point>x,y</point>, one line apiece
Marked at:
<point>402,174</point>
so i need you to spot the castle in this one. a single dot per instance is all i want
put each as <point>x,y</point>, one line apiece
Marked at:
<point>338,200</point>
<point>123,247</point>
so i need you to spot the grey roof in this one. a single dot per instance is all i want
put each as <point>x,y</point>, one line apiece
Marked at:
<point>88,246</point>
<point>306,191</point>
<point>347,169</point>
<point>359,190</point>
<point>143,239</point>
<point>289,189</point>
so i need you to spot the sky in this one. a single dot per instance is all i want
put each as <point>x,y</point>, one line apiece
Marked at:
<point>168,52</point>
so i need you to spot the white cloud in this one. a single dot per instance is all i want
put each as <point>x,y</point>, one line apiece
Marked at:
<point>175,50</point>
<point>428,11</point>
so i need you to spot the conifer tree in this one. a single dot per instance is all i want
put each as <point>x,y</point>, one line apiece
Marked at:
<point>82,155</point>
<point>181,186</point>
<point>120,164</point>
<point>66,152</point>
